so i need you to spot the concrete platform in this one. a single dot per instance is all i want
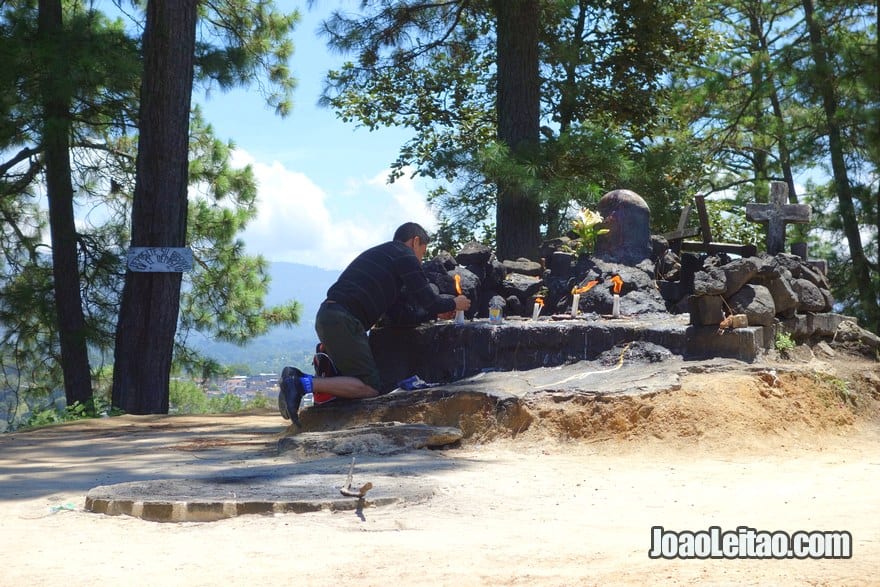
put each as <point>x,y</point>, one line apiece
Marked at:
<point>307,487</point>
<point>444,352</point>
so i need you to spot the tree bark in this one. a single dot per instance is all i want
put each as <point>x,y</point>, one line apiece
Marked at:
<point>518,214</point>
<point>151,301</point>
<point>59,188</point>
<point>827,88</point>
<point>760,151</point>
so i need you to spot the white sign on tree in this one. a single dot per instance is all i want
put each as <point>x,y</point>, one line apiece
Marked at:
<point>160,259</point>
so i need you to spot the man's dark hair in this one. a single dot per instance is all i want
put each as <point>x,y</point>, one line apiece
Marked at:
<point>409,230</point>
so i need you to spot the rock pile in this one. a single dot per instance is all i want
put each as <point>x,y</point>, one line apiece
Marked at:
<point>647,276</point>
<point>762,287</point>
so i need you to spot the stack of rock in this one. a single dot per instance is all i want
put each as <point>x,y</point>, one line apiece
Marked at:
<point>655,280</point>
<point>763,288</point>
<point>513,285</point>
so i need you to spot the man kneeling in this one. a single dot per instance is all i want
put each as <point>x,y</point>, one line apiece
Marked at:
<point>366,289</point>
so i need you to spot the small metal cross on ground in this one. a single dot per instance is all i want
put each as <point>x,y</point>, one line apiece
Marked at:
<point>777,214</point>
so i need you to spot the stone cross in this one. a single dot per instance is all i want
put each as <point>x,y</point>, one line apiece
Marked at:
<point>777,214</point>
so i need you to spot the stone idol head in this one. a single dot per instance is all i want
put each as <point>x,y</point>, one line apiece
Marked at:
<point>628,220</point>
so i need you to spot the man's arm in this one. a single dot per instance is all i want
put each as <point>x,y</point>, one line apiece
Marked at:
<point>419,288</point>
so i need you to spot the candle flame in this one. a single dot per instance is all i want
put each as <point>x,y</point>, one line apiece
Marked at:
<point>539,301</point>
<point>584,289</point>
<point>618,283</point>
<point>458,283</point>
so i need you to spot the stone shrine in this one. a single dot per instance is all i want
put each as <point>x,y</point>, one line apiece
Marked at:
<point>628,219</point>
<point>678,301</point>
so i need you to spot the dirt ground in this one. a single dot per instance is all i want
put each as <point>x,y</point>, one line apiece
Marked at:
<point>571,501</point>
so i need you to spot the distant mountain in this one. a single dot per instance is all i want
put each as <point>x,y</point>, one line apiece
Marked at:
<point>281,346</point>
<point>305,284</point>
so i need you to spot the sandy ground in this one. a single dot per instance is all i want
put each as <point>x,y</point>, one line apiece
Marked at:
<point>569,502</point>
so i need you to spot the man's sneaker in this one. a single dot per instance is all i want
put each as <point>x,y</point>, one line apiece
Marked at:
<point>282,393</point>
<point>290,394</point>
<point>324,365</point>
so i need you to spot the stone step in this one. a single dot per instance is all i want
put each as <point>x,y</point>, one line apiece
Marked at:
<point>444,352</point>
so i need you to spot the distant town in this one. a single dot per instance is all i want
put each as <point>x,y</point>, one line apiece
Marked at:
<point>248,387</point>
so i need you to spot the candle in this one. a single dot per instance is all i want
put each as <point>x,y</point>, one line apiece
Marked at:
<point>536,311</point>
<point>459,314</point>
<point>576,296</point>
<point>615,303</point>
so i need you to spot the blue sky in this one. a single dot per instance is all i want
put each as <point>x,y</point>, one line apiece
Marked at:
<point>323,194</point>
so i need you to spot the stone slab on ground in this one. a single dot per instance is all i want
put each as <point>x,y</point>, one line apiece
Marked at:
<point>477,410</point>
<point>495,402</point>
<point>380,438</point>
<point>300,488</point>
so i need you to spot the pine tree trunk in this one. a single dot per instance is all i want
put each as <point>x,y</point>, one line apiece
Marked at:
<point>59,188</point>
<point>518,214</point>
<point>151,301</point>
<point>862,277</point>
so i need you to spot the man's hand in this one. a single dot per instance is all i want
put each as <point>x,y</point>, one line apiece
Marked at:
<point>461,303</point>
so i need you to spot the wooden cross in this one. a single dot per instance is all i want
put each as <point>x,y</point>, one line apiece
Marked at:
<point>777,214</point>
<point>705,233</point>
<point>682,232</point>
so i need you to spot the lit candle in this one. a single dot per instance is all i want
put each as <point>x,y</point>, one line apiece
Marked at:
<point>615,301</point>
<point>576,296</point>
<point>459,314</point>
<point>536,311</point>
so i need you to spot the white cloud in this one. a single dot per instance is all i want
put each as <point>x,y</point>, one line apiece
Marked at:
<point>299,222</point>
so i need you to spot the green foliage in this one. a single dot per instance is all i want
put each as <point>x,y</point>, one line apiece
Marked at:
<point>432,68</point>
<point>246,41</point>
<point>783,342</point>
<point>94,408</point>
<point>226,291</point>
<point>840,387</point>
<point>260,402</point>
<point>727,221</point>
<point>241,43</point>
<point>186,397</point>
<point>225,404</point>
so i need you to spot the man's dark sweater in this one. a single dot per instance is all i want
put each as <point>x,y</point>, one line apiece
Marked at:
<point>373,282</point>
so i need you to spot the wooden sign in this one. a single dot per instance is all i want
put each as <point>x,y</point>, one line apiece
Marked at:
<point>160,259</point>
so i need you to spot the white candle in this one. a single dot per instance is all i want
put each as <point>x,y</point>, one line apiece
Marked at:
<point>459,316</point>
<point>575,302</point>
<point>536,311</point>
<point>615,306</point>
